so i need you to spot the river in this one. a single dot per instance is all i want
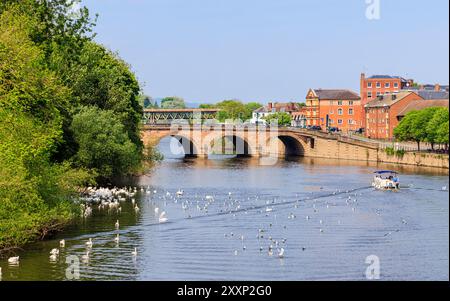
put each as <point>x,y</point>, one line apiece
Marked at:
<point>321,212</point>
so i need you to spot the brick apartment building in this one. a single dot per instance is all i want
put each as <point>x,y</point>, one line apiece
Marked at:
<point>377,85</point>
<point>381,113</point>
<point>334,108</point>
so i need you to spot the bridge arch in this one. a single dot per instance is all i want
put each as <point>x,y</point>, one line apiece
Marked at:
<point>230,144</point>
<point>286,145</point>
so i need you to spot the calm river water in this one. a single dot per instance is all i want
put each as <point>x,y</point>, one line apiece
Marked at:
<point>321,212</point>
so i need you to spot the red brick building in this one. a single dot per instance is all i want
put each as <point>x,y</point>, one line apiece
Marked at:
<point>377,85</point>
<point>334,108</point>
<point>381,113</point>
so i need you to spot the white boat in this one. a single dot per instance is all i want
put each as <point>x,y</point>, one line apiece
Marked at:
<point>386,180</point>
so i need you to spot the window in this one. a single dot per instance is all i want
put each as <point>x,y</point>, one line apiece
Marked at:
<point>369,94</point>
<point>378,94</point>
<point>350,102</point>
<point>350,121</point>
<point>369,85</point>
<point>350,111</point>
<point>395,85</point>
<point>340,121</point>
<point>340,112</point>
<point>330,121</point>
<point>378,85</point>
<point>387,85</point>
<point>340,103</point>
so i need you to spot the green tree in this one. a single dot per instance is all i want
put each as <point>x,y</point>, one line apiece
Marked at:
<point>440,116</point>
<point>173,102</point>
<point>104,145</point>
<point>442,134</point>
<point>404,130</point>
<point>231,109</point>
<point>282,118</point>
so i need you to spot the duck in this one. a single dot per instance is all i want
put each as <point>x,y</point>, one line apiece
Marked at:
<point>62,243</point>
<point>162,217</point>
<point>117,225</point>
<point>14,260</point>
<point>89,243</point>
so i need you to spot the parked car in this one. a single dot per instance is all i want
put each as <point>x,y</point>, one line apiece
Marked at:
<point>360,131</point>
<point>333,130</point>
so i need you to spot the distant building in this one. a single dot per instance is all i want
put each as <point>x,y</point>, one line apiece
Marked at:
<point>377,85</point>
<point>427,92</point>
<point>422,104</point>
<point>299,118</point>
<point>271,108</point>
<point>381,113</point>
<point>333,108</point>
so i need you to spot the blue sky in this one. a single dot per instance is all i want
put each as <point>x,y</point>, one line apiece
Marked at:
<point>272,50</point>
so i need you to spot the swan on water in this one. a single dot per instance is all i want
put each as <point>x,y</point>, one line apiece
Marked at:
<point>180,192</point>
<point>54,252</point>
<point>85,257</point>
<point>13,260</point>
<point>281,253</point>
<point>89,243</point>
<point>62,243</point>
<point>134,253</point>
<point>117,225</point>
<point>116,239</point>
<point>162,217</point>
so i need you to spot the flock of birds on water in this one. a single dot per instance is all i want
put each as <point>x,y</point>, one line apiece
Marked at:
<point>112,199</point>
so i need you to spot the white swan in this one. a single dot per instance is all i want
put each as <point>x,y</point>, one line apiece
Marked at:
<point>180,192</point>
<point>62,243</point>
<point>54,252</point>
<point>85,257</point>
<point>281,253</point>
<point>117,225</point>
<point>136,209</point>
<point>13,260</point>
<point>53,258</point>
<point>134,253</point>
<point>163,218</point>
<point>89,243</point>
<point>116,239</point>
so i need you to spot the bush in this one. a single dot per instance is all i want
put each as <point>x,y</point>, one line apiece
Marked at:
<point>103,143</point>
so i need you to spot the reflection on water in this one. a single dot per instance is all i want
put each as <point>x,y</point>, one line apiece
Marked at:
<point>322,213</point>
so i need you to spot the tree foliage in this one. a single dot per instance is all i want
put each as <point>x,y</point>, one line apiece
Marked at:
<point>173,102</point>
<point>69,114</point>
<point>282,118</point>
<point>427,125</point>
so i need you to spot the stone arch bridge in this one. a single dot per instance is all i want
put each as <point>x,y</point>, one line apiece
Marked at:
<point>203,140</point>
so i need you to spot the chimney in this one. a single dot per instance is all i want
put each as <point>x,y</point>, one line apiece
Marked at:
<point>437,87</point>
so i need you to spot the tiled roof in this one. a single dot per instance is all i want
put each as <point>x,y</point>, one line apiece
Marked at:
<point>279,107</point>
<point>388,100</point>
<point>336,94</point>
<point>387,76</point>
<point>423,104</point>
